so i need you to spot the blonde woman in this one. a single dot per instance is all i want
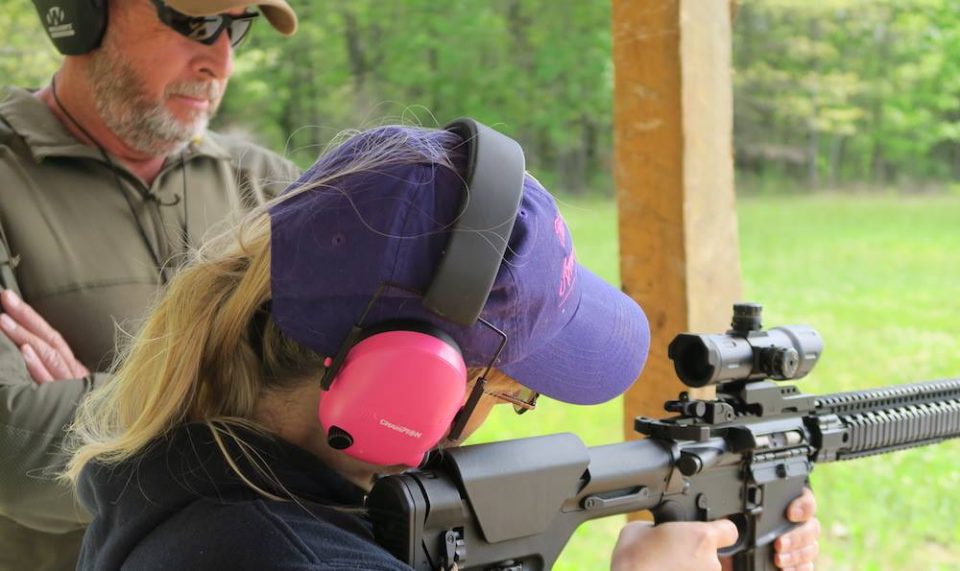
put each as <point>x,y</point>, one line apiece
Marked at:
<point>207,452</point>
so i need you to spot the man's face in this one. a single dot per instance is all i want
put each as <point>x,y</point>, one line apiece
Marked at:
<point>153,87</point>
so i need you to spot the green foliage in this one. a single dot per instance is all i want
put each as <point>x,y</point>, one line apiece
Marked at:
<point>539,70</point>
<point>844,91</point>
<point>27,58</point>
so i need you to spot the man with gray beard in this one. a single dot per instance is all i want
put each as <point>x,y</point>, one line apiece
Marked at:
<point>107,177</point>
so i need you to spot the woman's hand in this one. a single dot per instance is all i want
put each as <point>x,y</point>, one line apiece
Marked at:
<point>692,546</point>
<point>678,546</point>
<point>798,550</point>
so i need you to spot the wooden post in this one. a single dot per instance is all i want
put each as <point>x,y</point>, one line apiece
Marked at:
<point>673,114</point>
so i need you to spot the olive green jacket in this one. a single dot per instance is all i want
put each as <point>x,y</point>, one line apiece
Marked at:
<point>88,267</point>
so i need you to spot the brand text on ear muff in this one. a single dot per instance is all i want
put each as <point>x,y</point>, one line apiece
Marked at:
<point>75,27</point>
<point>401,429</point>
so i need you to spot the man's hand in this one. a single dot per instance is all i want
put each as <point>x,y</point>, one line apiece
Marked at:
<point>679,546</point>
<point>47,355</point>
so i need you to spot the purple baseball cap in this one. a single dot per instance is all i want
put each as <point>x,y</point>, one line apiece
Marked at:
<point>380,208</point>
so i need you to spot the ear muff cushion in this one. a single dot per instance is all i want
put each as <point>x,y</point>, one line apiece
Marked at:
<point>396,396</point>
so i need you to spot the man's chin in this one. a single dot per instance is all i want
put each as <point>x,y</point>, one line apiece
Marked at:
<point>189,134</point>
<point>161,133</point>
<point>168,146</point>
<point>180,119</point>
<point>194,125</point>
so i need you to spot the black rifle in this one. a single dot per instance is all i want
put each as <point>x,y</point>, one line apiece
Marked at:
<point>512,506</point>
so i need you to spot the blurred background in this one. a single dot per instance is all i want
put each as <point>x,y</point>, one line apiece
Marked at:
<point>847,152</point>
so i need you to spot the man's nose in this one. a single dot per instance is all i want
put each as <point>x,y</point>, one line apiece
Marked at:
<point>217,59</point>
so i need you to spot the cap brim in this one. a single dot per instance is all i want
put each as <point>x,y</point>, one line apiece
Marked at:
<point>597,355</point>
<point>278,12</point>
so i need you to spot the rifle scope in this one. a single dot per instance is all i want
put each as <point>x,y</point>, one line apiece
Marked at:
<point>746,351</point>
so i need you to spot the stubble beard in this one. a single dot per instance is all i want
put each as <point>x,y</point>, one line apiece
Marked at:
<point>141,122</point>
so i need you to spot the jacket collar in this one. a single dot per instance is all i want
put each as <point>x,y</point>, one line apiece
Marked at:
<point>190,464</point>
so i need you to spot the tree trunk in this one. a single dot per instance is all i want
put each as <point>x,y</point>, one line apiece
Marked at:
<point>837,150</point>
<point>356,56</point>
<point>813,137</point>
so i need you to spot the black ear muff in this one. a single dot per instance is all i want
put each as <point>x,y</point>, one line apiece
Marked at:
<point>75,27</point>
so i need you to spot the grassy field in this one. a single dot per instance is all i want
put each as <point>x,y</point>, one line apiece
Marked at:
<point>878,277</point>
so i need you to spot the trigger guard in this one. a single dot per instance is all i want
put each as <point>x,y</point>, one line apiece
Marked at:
<point>741,522</point>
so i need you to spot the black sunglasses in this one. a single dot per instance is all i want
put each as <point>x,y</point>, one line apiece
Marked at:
<point>206,29</point>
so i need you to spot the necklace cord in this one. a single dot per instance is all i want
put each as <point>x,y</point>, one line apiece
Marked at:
<point>146,196</point>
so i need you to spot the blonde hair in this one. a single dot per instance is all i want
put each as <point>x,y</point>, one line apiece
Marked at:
<point>208,349</point>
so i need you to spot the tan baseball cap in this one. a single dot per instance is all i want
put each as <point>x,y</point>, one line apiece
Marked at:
<point>280,15</point>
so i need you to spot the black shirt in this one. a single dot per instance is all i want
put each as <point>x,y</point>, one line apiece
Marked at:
<point>179,505</point>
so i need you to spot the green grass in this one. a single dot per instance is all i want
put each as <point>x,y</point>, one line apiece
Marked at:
<point>877,276</point>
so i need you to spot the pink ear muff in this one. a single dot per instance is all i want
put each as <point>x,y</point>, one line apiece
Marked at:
<point>394,398</point>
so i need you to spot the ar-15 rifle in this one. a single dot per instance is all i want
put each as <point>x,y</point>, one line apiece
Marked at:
<point>513,505</point>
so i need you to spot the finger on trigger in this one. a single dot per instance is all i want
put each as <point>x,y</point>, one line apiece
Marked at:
<point>727,532</point>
